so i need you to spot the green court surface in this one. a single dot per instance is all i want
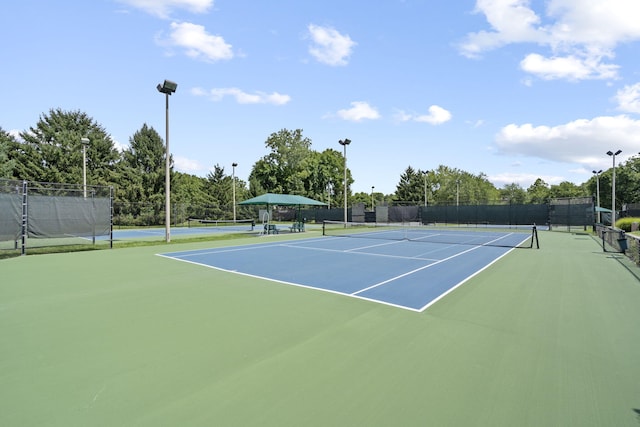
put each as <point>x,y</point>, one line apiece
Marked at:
<point>122,337</point>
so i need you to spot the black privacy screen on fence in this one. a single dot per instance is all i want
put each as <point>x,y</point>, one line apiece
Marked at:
<point>565,212</point>
<point>44,211</point>
<point>486,214</point>
<point>60,217</point>
<point>572,212</point>
<point>10,208</point>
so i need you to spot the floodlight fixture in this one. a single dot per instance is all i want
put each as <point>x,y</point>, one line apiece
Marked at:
<point>168,87</point>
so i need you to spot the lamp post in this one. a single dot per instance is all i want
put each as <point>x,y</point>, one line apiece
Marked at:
<point>168,87</point>
<point>85,143</point>
<point>425,173</point>
<point>344,144</point>
<point>372,203</point>
<point>597,173</point>
<point>233,178</point>
<point>457,192</point>
<point>613,187</point>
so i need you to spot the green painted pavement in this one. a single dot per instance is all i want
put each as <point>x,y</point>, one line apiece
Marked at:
<point>121,337</point>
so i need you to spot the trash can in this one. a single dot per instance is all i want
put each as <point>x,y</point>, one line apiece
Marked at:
<point>622,242</point>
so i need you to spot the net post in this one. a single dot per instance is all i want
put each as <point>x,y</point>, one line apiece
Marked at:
<point>535,237</point>
<point>93,216</point>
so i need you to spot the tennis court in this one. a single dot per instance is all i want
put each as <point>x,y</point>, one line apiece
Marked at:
<point>199,227</point>
<point>406,267</point>
<point>125,337</point>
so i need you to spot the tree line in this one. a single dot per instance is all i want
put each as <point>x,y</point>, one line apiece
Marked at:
<point>52,151</point>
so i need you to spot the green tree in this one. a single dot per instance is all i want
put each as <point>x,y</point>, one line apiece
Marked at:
<point>627,182</point>
<point>325,176</point>
<point>52,150</point>
<point>142,172</point>
<point>410,189</point>
<point>188,196</point>
<point>567,189</point>
<point>7,141</point>
<point>513,193</point>
<point>283,170</point>
<point>292,167</point>
<point>538,192</point>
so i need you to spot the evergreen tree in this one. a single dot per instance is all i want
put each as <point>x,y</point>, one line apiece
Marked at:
<point>52,151</point>
<point>142,175</point>
<point>7,141</point>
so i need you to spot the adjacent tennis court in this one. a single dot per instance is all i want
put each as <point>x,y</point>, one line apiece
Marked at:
<point>194,228</point>
<point>409,267</point>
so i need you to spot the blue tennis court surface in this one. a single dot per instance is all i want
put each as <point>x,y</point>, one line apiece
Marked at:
<point>405,274</point>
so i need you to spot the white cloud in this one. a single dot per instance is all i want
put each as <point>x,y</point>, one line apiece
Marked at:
<point>197,43</point>
<point>569,67</point>
<point>329,46</point>
<point>436,116</point>
<point>163,8</point>
<point>512,22</point>
<point>523,179</point>
<point>578,37</point>
<point>583,142</point>
<point>241,97</point>
<point>16,134</point>
<point>119,146</point>
<point>359,111</point>
<point>628,99</point>
<point>187,165</point>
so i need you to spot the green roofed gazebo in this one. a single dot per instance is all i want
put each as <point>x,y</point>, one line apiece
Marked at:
<point>271,199</point>
<point>282,200</point>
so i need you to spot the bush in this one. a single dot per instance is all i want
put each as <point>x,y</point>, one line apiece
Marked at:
<point>625,223</point>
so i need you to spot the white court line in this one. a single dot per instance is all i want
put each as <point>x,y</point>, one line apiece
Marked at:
<point>351,251</point>
<point>442,295</point>
<point>420,269</point>
<point>180,257</point>
<point>284,282</point>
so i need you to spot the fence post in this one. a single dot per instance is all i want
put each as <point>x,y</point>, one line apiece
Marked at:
<point>24,217</point>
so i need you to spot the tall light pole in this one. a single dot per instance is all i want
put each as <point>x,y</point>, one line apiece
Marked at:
<point>457,192</point>
<point>85,143</point>
<point>233,178</point>
<point>613,187</point>
<point>425,173</point>
<point>168,87</point>
<point>344,144</point>
<point>372,203</point>
<point>597,173</point>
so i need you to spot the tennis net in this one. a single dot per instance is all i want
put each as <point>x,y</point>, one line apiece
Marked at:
<point>509,237</point>
<point>228,224</point>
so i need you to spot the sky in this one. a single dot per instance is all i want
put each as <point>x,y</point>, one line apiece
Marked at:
<point>513,89</point>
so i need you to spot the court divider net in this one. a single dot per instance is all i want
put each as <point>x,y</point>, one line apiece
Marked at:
<point>239,224</point>
<point>508,236</point>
